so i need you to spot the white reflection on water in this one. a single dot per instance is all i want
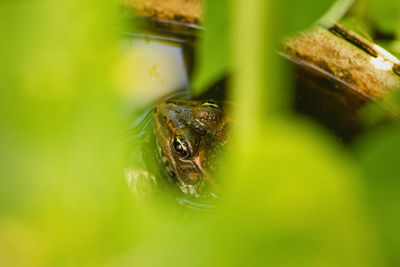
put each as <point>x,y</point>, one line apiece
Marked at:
<point>150,69</point>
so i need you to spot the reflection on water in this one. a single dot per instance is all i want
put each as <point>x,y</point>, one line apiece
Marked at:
<point>141,169</point>
<point>196,204</point>
<point>162,69</point>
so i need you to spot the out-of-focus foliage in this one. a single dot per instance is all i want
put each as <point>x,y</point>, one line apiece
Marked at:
<point>385,14</point>
<point>62,199</point>
<point>378,157</point>
<point>213,55</point>
<point>304,205</point>
<point>294,196</point>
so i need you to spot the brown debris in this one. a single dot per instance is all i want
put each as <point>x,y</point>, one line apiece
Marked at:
<point>190,11</point>
<point>344,60</point>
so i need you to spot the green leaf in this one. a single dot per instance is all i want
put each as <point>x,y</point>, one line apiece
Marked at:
<point>378,154</point>
<point>300,195</point>
<point>213,51</point>
<point>291,16</point>
<point>386,14</point>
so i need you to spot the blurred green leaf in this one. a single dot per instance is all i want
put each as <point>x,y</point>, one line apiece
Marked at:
<point>378,156</point>
<point>62,184</point>
<point>293,16</point>
<point>298,197</point>
<point>294,196</point>
<point>386,14</point>
<point>212,56</point>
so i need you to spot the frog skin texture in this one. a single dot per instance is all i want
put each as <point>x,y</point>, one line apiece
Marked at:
<point>189,135</point>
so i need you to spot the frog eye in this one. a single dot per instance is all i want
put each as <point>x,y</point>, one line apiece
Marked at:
<point>181,147</point>
<point>211,104</point>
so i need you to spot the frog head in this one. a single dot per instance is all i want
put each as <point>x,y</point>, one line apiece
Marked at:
<point>189,135</point>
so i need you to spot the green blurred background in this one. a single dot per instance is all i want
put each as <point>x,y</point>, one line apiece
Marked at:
<point>294,196</point>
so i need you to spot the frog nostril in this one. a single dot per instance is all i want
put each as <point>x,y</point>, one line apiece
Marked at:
<point>165,119</point>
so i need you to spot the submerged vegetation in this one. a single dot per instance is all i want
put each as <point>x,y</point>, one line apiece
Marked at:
<point>292,193</point>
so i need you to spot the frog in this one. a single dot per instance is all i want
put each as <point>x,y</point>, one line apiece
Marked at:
<point>190,134</point>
